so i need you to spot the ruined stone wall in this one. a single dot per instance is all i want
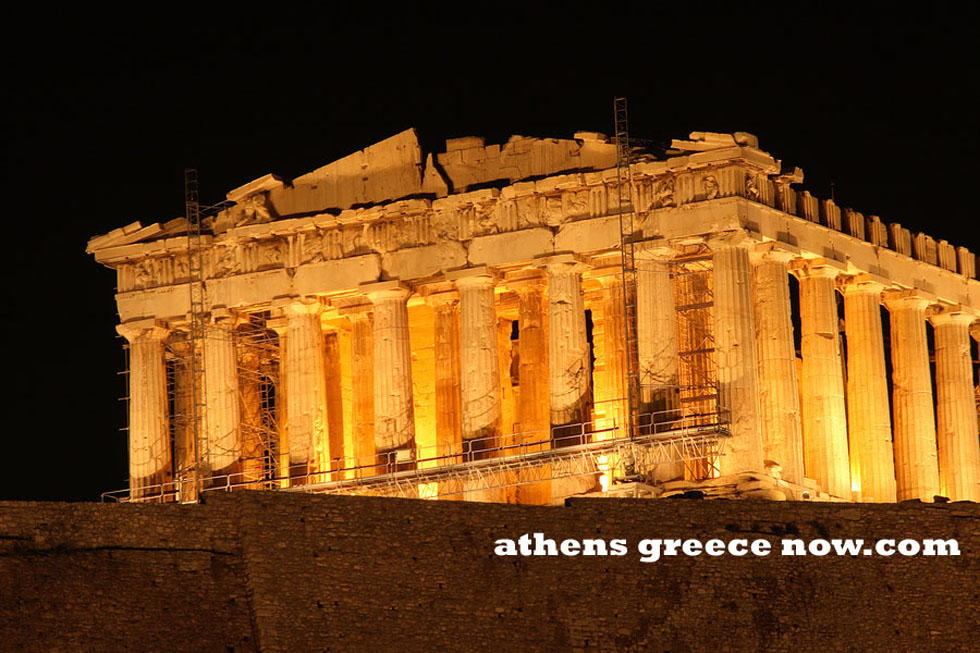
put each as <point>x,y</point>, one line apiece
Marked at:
<point>101,577</point>
<point>279,571</point>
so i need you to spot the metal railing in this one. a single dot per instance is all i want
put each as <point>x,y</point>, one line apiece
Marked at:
<point>662,437</point>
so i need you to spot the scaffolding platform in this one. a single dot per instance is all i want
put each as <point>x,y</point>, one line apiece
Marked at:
<point>470,467</point>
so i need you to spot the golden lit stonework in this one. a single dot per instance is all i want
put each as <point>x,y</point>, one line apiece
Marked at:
<point>463,326</point>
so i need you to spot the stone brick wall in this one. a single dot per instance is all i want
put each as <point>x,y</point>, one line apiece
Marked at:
<point>281,571</point>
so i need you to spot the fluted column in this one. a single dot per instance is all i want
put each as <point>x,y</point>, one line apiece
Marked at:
<point>569,371</point>
<point>614,400</point>
<point>479,362</point>
<point>185,443</point>
<point>306,395</point>
<point>569,367</point>
<point>533,410</point>
<point>253,460</point>
<point>333,380</point>
<point>223,406</point>
<point>656,330</point>
<point>869,424</point>
<point>824,413</point>
<point>149,430</point>
<point>656,334</point>
<point>737,359</point>
<point>975,334</point>
<point>779,405</point>
<point>449,439</point>
<point>916,456</point>
<point>956,413</point>
<point>394,410</point>
<point>362,388</point>
<point>280,459</point>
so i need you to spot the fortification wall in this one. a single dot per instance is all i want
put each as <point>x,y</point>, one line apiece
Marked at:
<point>278,571</point>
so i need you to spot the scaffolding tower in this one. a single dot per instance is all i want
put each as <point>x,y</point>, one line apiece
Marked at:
<point>627,229</point>
<point>698,395</point>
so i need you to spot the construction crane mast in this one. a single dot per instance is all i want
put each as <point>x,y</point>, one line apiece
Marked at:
<point>627,230</point>
<point>198,326</point>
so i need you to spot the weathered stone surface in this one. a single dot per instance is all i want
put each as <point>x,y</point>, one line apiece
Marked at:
<point>280,571</point>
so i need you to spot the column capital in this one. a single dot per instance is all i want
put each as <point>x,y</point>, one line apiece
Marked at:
<point>296,306</point>
<point>860,284</point>
<point>724,239</point>
<point>608,277</point>
<point>807,268</point>
<point>481,276</point>
<point>951,314</point>
<point>378,291</point>
<point>654,250</point>
<point>896,299</point>
<point>442,299</point>
<point>277,324</point>
<point>562,263</point>
<point>148,329</point>
<point>220,315</point>
<point>770,251</point>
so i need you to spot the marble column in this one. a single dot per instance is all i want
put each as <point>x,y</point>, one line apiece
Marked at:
<point>868,421</point>
<point>569,372</point>
<point>280,459</point>
<point>824,412</point>
<point>253,460</point>
<point>975,334</point>
<point>736,354</point>
<point>916,455</point>
<point>333,379</point>
<point>615,401</point>
<point>533,410</point>
<point>569,367</point>
<point>656,332</point>
<point>956,411</point>
<point>779,406</point>
<point>306,395</point>
<point>394,409</point>
<point>223,424</point>
<point>449,439</point>
<point>185,443</point>
<point>362,389</point>
<point>149,429</point>
<point>480,396</point>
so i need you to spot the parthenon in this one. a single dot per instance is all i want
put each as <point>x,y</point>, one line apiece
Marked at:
<point>461,325</point>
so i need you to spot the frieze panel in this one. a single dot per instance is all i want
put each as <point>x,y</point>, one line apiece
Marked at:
<point>414,223</point>
<point>225,260</point>
<point>551,210</point>
<point>575,205</point>
<point>269,255</point>
<point>311,248</point>
<point>528,214</point>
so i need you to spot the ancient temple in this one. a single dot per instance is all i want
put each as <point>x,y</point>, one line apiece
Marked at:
<point>461,325</point>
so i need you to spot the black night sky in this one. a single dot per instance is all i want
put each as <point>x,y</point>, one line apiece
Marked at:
<point>107,108</point>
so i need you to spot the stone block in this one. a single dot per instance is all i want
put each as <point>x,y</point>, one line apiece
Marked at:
<point>420,262</point>
<point>946,254</point>
<point>966,262</point>
<point>511,246</point>
<point>854,222</point>
<point>924,248</point>
<point>830,215</point>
